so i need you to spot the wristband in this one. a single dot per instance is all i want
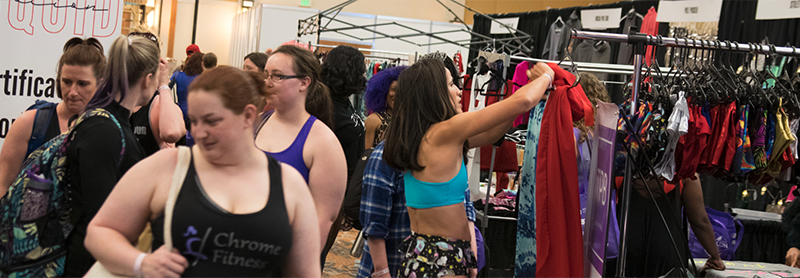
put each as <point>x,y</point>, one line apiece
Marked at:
<point>137,267</point>
<point>165,87</point>
<point>550,84</point>
<point>379,273</point>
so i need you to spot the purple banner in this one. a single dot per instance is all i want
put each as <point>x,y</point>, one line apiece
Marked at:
<point>599,201</point>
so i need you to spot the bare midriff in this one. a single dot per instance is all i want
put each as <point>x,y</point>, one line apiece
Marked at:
<point>447,221</point>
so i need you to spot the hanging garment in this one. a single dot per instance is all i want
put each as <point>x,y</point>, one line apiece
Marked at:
<point>593,52</point>
<point>525,265</point>
<point>677,127</point>
<point>692,144</point>
<point>573,22</point>
<point>759,152</point>
<point>748,162</point>
<point>793,128</point>
<point>625,56</point>
<point>560,248</point>
<point>552,45</point>
<point>650,27</point>
<point>783,139</point>
<point>459,63</point>
<point>584,160</point>
<point>520,78</point>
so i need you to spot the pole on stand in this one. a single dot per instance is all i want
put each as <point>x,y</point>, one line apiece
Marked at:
<point>638,40</point>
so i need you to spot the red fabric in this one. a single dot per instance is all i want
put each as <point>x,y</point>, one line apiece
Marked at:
<point>558,225</point>
<point>650,27</point>
<point>505,159</point>
<point>705,158</point>
<point>465,93</point>
<point>730,142</point>
<point>692,143</point>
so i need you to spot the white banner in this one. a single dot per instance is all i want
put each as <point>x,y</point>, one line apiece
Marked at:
<point>33,34</point>
<point>689,11</point>
<point>601,19</point>
<point>777,9</point>
<point>496,28</point>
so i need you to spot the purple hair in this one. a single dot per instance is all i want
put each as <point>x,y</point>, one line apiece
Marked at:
<point>378,88</point>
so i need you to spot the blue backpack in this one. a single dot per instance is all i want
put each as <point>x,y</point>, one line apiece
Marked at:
<point>44,113</point>
<point>35,214</point>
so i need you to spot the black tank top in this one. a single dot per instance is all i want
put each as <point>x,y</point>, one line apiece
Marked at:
<point>218,243</point>
<point>140,121</point>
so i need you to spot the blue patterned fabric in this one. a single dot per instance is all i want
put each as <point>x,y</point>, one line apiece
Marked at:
<point>525,265</point>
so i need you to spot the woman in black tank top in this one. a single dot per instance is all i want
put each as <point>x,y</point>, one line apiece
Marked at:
<point>239,212</point>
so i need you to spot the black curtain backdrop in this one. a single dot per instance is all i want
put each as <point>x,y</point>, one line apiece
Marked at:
<point>537,24</point>
<point>737,22</point>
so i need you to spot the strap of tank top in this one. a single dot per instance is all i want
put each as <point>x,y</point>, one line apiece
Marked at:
<point>303,135</point>
<point>181,167</point>
<point>275,181</point>
<point>264,117</point>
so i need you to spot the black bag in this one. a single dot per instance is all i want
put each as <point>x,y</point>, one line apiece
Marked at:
<point>351,206</point>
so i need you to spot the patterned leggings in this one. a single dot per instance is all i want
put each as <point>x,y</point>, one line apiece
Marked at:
<point>434,256</point>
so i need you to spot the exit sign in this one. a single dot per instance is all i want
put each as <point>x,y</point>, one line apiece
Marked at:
<point>305,3</point>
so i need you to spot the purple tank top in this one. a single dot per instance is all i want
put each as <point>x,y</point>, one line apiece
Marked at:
<point>293,155</point>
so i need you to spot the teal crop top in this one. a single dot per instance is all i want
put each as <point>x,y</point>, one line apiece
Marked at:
<point>422,195</point>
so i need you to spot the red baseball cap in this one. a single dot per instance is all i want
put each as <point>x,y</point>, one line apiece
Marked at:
<point>191,49</point>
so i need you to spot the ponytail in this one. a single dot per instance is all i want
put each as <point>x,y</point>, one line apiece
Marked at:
<point>319,103</point>
<point>129,59</point>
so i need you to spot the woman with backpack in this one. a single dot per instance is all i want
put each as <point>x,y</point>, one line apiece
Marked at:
<point>103,148</point>
<point>79,69</point>
<point>238,212</point>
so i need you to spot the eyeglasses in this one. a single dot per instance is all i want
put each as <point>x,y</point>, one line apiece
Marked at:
<point>146,35</point>
<point>280,77</point>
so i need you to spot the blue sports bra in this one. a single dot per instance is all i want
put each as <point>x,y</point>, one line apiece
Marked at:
<point>420,194</point>
<point>293,155</point>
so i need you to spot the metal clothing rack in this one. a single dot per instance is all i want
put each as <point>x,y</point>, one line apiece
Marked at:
<point>363,49</point>
<point>639,41</point>
<point>518,42</point>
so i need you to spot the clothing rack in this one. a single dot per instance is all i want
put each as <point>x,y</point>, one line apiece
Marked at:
<point>518,42</point>
<point>639,41</point>
<point>363,49</point>
<point>484,216</point>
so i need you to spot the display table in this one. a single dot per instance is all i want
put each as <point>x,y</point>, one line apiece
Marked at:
<point>750,269</point>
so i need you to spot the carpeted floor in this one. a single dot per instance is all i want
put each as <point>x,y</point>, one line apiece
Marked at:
<point>339,263</point>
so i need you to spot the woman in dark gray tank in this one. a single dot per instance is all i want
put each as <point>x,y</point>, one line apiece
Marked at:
<point>239,212</point>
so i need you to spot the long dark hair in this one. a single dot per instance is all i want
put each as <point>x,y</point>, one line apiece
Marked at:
<point>318,99</point>
<point>422,100</point>
<point>343,71</point>
<point>129,59</point>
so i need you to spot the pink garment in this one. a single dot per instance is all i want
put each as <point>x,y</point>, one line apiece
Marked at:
<point>650,27</point>
<point>521,78</point>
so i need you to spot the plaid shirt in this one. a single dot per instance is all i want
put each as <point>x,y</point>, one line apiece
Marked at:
<point>384,213</point>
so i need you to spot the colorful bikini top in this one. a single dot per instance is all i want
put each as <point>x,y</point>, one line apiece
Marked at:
<point>422,195</point>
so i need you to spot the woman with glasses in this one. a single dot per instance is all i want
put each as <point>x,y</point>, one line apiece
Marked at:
<point>159,123</point>
<point>77,74</point>
<point>294,136</point>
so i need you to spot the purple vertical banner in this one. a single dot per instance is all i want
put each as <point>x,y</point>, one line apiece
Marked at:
<point>600,178</point>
